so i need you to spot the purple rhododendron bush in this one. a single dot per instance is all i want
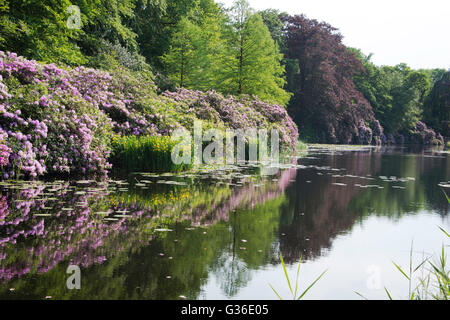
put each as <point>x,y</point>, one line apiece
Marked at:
<point>237,113</point>
<point>61,120</point>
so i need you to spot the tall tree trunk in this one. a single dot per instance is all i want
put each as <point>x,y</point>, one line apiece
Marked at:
<point>241,62</point>
<point>182,66</point>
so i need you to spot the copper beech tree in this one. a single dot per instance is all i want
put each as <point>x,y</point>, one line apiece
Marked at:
<point>326,104</point>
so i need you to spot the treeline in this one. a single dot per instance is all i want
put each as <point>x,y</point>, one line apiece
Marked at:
<point>197,44</point>
<point>334,93</point>
<point>340,96</point>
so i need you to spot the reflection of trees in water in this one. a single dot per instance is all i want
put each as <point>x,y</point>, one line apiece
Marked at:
<point>330,210</point>
<point>257,227</point>
<point>233,274</point>
<point>423,193</point>
<point>120,258</point>
<point>134,269</point>
<point>318,211</point>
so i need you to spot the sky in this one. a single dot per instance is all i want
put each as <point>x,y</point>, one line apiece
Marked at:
<point>395,31</point>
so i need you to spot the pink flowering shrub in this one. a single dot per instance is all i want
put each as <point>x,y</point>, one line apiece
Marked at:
<point>60,120</point>
<point>424,135</point>
<point>4,155</point>
<point>49,126</point>
<point>235,113</point>
<point>364,134</point>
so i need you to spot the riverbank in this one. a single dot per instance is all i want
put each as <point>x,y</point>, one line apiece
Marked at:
<point>62,121</point>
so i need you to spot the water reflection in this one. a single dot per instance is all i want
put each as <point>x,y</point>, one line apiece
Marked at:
<point>339,189</point>
<point>164,236</point>
<point>118,232</point>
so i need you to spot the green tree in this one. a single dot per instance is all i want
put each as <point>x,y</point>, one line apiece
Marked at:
<point>253,62</point>
<point>107,20</point>
<point>437,105</point>
<point>408,90</point>
<point>374,84</point>
<point>39,29</point>
<point>396,94</point>
<point>181,61</point>
<point>197,48</point>
<point>155,22</point>
<point>212,46</point>
<point>273,19</point>
<point>275,22</point>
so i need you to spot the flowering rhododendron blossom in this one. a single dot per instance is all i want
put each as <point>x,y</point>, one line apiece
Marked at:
<point>61,120</point>
<point>4,155</point>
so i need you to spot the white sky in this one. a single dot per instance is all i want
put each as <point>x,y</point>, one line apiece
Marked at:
<point>416,32</point>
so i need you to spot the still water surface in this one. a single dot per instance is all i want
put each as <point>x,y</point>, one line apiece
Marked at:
<point>219,234</point>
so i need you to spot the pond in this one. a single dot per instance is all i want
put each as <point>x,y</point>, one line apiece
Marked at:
<point>218,234</point>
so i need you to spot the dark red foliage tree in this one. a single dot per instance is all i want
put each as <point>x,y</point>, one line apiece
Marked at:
<point>326,105</point>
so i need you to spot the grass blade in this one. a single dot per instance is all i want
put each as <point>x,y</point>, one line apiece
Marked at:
<point>421,264</point>
<point>311,285</point>
<point>446,196</point>
<point>298,274</point>
<point>359,294</point>
<point>446,233</point>
<point>389,295</point>
<point>285,272</point>
<point>275,292</point>
<point>400,269</point>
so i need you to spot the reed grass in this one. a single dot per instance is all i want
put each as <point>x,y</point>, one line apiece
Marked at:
<point>301,146</point>
<point>295,291</point>
<point>146,154</point>
<point>154,153</point>
<point>436,283</point>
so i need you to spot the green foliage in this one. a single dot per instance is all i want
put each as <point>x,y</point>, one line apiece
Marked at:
<point>111,56</point>
<point>301,145</point>
<point>253,62</point>
<point>374,85</point>
<point>273,19</point>
<point>196,49</point>
<point>182,61</point>
<point>408,88</point>
<point>106,20</point>
<point>155,23</point>
<point>396,94</point>
<point>294,291</point>
<point>237,56</point>
<point>148,153</point>
<point>39,29</point>
<point>437,106</point>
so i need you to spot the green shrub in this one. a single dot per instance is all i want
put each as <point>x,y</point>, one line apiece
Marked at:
<point>146,153</point>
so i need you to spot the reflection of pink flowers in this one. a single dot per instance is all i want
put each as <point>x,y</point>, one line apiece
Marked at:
<point>3,209</point>
<point>73,235</point>
<point>30,244</point>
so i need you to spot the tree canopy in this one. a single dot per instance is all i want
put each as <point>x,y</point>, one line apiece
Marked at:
<point>335,94</point>
<point>326,102</point>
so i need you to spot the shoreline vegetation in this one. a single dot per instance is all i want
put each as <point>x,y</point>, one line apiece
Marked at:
<point>64,121</point>
<point>68,121</point>
<point>232,68</point>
